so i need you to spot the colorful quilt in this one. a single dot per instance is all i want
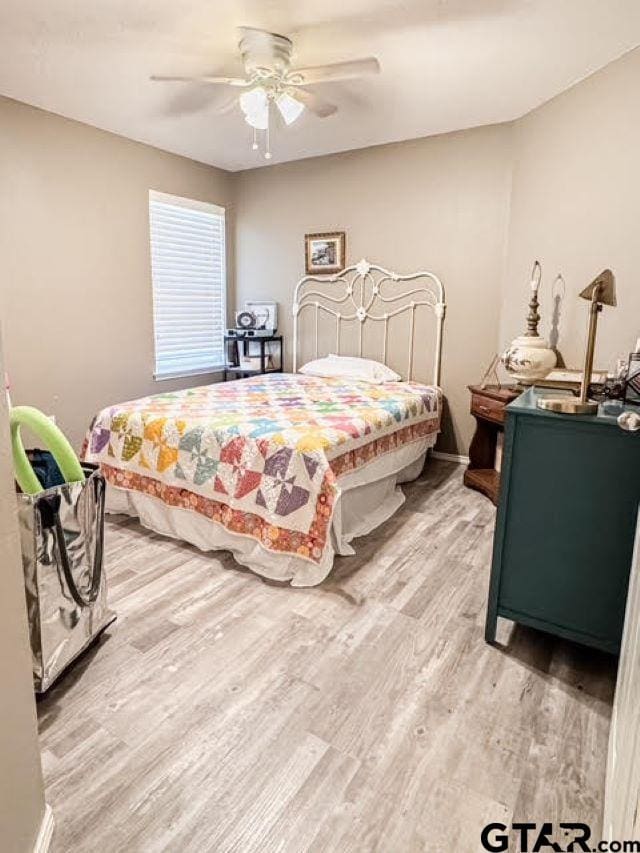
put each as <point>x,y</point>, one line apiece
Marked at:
<point>260,456</point>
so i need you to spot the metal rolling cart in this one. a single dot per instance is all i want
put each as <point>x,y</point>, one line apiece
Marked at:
<point>247,355</point>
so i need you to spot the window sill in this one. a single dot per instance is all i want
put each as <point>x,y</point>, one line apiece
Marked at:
<point>185,374</point>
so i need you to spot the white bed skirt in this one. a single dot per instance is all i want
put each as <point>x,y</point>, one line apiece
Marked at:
<point>368,497</point>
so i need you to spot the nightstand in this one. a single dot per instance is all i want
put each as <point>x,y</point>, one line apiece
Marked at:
<point>265,353</point>
<point>487,407</point>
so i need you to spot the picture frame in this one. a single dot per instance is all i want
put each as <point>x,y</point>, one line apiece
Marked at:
<point>632,382</point>
<point>265,312</point>
<point>325,254</point>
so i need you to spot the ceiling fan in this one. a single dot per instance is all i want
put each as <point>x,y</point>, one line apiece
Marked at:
<point>270,82</point>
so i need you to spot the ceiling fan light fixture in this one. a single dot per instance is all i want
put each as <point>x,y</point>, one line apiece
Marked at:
<point>290,108</point>
<point>259,121</point>
<point>268,77</point>
<point>255,105</point>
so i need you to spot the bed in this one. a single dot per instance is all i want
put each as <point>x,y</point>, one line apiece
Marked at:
<point>285,470</point>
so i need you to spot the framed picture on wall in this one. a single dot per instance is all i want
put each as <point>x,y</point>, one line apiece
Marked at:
<point>325,253</point>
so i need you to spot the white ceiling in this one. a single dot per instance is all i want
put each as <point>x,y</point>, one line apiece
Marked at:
<point>446,65</point>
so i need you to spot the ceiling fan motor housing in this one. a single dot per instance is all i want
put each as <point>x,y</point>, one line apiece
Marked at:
<point>265,52</point>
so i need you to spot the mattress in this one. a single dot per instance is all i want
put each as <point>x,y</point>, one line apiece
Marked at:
<point>260,465</point>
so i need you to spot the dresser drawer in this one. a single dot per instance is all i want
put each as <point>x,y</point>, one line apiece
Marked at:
<point>485,407</point>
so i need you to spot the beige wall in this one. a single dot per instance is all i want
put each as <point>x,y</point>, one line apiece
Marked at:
<point>576,207</point>
<point>21,788</point>
<point>439,203</point>
<point>75,293</point>
<point>561,184</point>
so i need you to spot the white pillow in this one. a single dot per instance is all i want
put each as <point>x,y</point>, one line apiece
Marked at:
<point>346,367</point>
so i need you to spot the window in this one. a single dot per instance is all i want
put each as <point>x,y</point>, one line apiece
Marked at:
<point>189,285</point>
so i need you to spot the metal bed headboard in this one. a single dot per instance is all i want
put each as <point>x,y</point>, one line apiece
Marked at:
<point>364,298</point>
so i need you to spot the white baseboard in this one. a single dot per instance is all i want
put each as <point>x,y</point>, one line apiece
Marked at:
<point>450,457</point>
<point>46,831</point>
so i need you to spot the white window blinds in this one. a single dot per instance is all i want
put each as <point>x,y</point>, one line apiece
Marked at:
<point>189,284</point>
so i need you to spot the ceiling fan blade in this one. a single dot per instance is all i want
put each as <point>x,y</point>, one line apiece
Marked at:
<point>226,106</point>
<point>336,71</point>
<point>256,32</point>
<point>314,103</point>
<point>225,81</point>
<point>192,100</point>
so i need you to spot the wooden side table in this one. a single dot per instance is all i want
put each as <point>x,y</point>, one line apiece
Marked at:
<point>487,407</point>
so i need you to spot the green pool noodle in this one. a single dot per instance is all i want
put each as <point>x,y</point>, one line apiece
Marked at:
<point>55,442</point>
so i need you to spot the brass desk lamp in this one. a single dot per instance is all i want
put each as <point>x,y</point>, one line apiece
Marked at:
<point>601,291</point>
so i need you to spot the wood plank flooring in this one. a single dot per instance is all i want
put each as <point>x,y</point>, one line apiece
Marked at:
<point>224,713</point>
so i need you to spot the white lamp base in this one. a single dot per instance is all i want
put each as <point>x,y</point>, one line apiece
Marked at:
<point>528,358</point>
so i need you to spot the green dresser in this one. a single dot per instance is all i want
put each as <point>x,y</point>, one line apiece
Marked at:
<point>570,489</point>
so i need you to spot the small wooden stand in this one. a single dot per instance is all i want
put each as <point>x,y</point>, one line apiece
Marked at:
<point>487,407</point>
<point>236,346</point>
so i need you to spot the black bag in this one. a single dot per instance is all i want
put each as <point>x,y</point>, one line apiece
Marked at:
<point>45,468</point>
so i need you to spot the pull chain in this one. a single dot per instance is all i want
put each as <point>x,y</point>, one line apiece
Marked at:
<point>267,153</point>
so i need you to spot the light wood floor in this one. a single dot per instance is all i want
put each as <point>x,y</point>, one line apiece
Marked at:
<point>223,713</point>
